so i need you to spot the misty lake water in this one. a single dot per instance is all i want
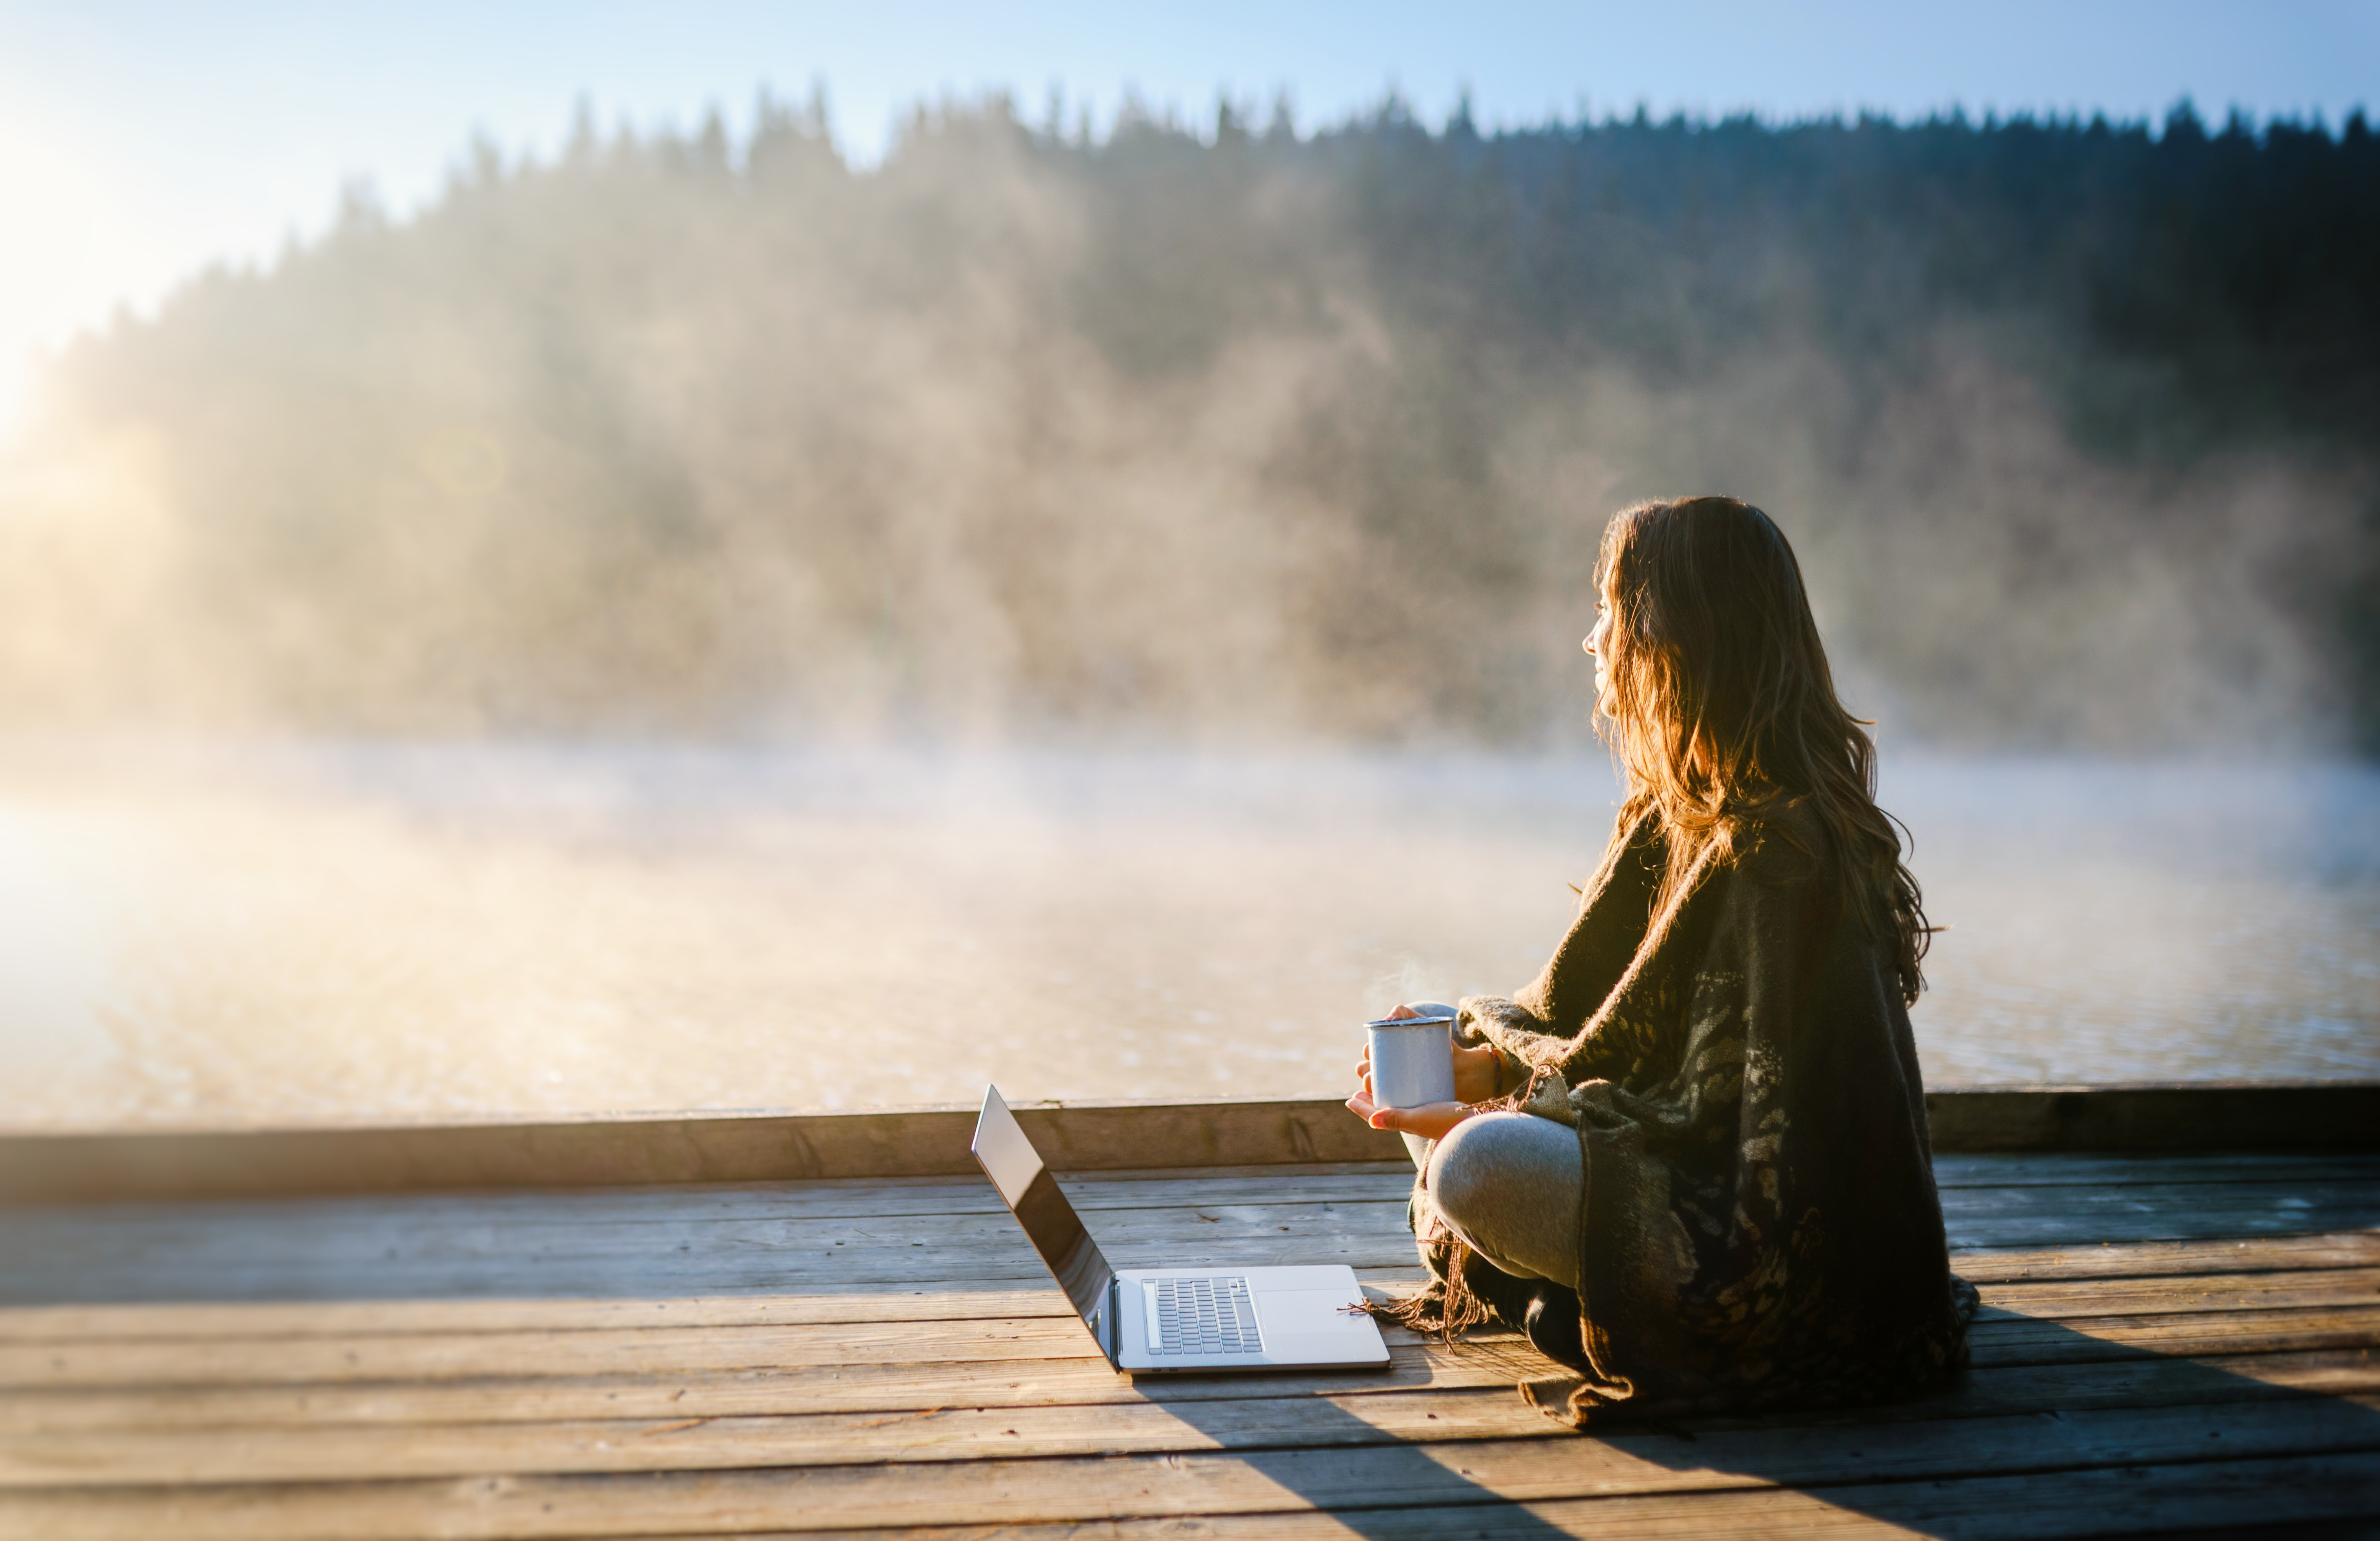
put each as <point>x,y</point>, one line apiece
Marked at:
<point>282,936</point>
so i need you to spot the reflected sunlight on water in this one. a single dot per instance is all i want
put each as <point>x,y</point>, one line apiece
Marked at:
<point>327,935</point>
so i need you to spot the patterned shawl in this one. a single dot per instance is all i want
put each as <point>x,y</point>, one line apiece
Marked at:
<point>1759,1225</point>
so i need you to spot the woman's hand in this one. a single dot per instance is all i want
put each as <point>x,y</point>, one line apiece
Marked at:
<point>1477,1079</point>
<point>1430,1121</point>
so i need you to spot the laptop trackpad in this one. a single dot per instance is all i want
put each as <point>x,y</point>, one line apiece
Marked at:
<point>1312,1319</point>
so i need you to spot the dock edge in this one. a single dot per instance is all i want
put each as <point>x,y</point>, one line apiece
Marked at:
<point>607,1150</point>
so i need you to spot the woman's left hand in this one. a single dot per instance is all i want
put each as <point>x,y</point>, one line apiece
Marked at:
<point>1430,1121</point>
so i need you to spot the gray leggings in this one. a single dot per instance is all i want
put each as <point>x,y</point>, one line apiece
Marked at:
<point>1509,1185</point>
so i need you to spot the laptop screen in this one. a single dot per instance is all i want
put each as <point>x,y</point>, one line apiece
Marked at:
<point>1056,1231</point>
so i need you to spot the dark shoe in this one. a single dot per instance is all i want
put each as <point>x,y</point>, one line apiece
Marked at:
<point>1552,1325</point>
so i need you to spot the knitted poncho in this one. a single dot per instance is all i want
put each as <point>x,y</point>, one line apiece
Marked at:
<point>1759,1225</point>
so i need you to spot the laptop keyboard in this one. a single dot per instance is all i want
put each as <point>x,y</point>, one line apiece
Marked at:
<point>1202,1315</point>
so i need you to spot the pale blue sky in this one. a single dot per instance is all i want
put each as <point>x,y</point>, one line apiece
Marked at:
<point>143,139</point>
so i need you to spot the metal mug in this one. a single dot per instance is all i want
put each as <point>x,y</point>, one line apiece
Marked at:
<point>1413,1060</point>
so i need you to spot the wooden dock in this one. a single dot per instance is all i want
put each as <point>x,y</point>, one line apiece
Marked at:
<point>2171,1340</point>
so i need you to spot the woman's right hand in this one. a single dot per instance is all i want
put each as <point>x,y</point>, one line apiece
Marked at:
<point>1477,1076</point>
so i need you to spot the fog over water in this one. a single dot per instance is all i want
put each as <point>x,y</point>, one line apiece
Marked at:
<point>1145,578</point>
<point>318,934</point>
<point>1222,434</point>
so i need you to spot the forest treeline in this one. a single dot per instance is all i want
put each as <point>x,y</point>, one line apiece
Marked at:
<point>1236,433</point>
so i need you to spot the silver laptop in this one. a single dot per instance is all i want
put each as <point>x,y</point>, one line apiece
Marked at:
<point>1148,1320</point>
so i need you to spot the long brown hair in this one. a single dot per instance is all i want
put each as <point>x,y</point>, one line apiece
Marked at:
<point>1725,713</point>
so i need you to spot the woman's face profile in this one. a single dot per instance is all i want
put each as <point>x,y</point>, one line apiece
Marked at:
<point>1594,646</point>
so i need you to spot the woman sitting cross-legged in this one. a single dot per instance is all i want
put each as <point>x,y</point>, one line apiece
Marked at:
<point>1690,1158</point>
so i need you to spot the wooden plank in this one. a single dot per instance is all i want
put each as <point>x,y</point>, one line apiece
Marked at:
<point>2073,1169</point>
<point>2092,1294</point>
<point>2211,1115</point>
<point>558,1333</point>
<point>1320,1183</point>
<point>341,1318</point>
<point>2358,1197</point>
<point>580,1224</point>
<point>612,1149</point>
<point>285,1319</point>
<point>872,1389</point>
<point>92,1238</point>
<point>656,1278</point>
<point>688,1274</point>
<point>305,1445</point>
<point>866,1353</point>
<point>1065,1489</point>
<point>310,1256</point>
<point>2128,1259</point>
<point>320,1453</point>
<point>272,1319</point>
<point>279,1317</point>
<point>576,1225</point>
<point>687,1204</point>
<point>416,1244</point>
<point>2179,1223</point>
<point>2040,1217</point>
<point>603,1150</point>
<point>869,1360</point>
<point>2023,1341</point>
<point>2067,1299</point>
<point>878,1392</point>
<point>1028,1296</point>
<point>616,1350</point>
<point>2269,1499</point>
<point>312,1251</point>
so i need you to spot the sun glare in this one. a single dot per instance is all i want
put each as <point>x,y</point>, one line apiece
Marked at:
<point>76,250</point>
<point>24,369</point>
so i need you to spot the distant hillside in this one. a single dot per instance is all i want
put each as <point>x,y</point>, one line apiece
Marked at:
<point>1237,433</point>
